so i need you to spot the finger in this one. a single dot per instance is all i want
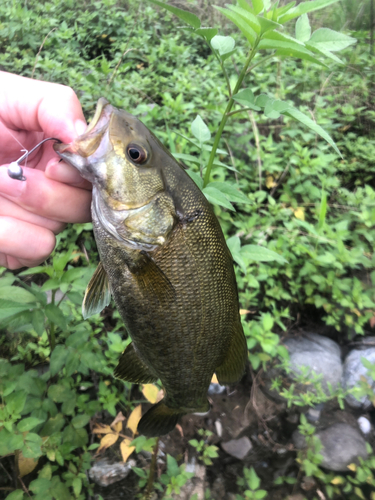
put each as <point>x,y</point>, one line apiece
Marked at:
<point>11,262</point>
<point>9,208</point>
<point>40,106</point>
<point>62,172</point>
<point>24,241</point>
<point>46,197</point>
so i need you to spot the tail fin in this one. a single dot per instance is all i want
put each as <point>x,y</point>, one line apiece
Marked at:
<point>159,420</point>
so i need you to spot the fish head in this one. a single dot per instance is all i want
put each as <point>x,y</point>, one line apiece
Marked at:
<point>119,156</point>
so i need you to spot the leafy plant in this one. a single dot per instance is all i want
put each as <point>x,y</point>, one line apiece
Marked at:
<point>205,450</point>
<point>250,485</point>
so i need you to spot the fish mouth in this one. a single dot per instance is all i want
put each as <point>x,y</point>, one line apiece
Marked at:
<point>90,142</point>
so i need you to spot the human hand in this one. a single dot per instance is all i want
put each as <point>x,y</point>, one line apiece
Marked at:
<point>33,211</point>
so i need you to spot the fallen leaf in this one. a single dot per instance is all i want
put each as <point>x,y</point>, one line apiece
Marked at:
<point>337,480</point>
<point>352,467</point>
<point>119,418</point>
<point>107,441</point>
<point>150,392</point>
<point>126,449</point>
<point>299,213</point>
<point>102,429</point>
<point>134,418</point>
<point>214,379</point>
<point>179,428</point>
<point>270,182</point>
<point>26,465</point>
<point>243,312</point>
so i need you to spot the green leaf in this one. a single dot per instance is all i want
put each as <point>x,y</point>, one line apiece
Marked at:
<point>297,115</point>
<point>33,270</point>
<point>246,6</point>
<point>252,21</point>
<point>240,23</point>
<point>223,44</point>
<point>172,466</point>
<point>282,10</point>
<point>326,39</point>
<point>323,209</point>
<point>254,481</point>
<point>53,424</point>
<point>299,55</point>
<point>200,130</point>
<point>231,192</point>
<point>207,33</point>
<point>15,402</point>
<point>9,308</point>
<point>267,25</point>
<point>15,495</point>
<point>37,320</point>
<point>258,6</point>
<point>59,393</point>
<point>274,108</point>
<point>55,315</point>
<point>16,294</point>
<point>58,358</point>
<point>262,100</point>
<point>185,16</point>
<point>246,98</point>
<point>26,424</point>
<point>303,28</point>
<point>304,8</point>
<point>77,486</point>
<point>217,197</point>
<point>261,254</point>
<point>325,53</point>
<point>80,421</point>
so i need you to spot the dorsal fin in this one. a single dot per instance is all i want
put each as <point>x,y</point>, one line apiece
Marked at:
<point>98,293</point>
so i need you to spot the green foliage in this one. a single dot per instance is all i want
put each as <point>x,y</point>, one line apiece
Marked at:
<point>245,105</point>
<point>204,450</point>
<point>250,485</point>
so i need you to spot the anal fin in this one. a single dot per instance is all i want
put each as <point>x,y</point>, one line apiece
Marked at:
<point>233,366</point>
<point>98,293</point>
<point>132,369</point>
<point>159,420</point>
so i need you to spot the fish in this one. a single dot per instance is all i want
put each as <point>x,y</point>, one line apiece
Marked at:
<point>165,262</point>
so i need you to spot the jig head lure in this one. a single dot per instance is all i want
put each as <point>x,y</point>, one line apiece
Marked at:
<point>15,170</point>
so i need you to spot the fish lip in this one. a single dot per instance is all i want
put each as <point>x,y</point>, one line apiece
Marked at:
<point>87,144</point>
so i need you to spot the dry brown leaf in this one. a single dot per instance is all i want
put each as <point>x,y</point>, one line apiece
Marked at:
<point>243,312</point>
<point>26,465</point>
<point>179,428</point>
<point>102,429</point>
<point>107,441</point>
<point>126,449</point>
<point>119,418</point>
<point>150,392</point>
<point>134,418</point>
<point>118,427</point>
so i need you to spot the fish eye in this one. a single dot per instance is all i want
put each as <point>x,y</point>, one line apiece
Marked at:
<point>136,153</point>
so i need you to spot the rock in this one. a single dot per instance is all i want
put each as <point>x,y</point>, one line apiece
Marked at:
<point>353,371</point>
<point>313,414</point>
<point>215,388</point>
<point>342,445</point>
<point>364,424</point>
<point>105,473</point>
<point>238,448</point>
<point>320,355</point>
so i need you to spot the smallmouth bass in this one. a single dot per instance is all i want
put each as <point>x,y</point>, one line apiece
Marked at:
<point>165,262</point>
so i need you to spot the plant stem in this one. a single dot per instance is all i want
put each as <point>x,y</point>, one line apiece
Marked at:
<point>151,475</point>
<point>226,114</point>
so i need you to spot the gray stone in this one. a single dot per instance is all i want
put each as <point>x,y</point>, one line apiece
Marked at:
<point>320,355</point>
<point>353,371</point>
<point>316,355</point>
<point>104,473</point>
<point>365,425</point>
<point>238,448</point>
<point>215,388</point>
<point>342,445</point>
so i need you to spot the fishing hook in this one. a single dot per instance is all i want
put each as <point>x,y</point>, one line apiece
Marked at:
<point>15,170</point>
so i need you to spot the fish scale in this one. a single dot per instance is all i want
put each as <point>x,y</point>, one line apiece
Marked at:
<point>165,261</point>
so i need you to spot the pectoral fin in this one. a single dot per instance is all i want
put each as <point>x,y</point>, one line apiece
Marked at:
<point>152,280</point>
<point>98,293</point>
<point>233,367</point>
<point>132,369</point>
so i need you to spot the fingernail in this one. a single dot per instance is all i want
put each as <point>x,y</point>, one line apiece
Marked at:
<point>80,127</point>
<point>61,172</point>
<point>8,186</point>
